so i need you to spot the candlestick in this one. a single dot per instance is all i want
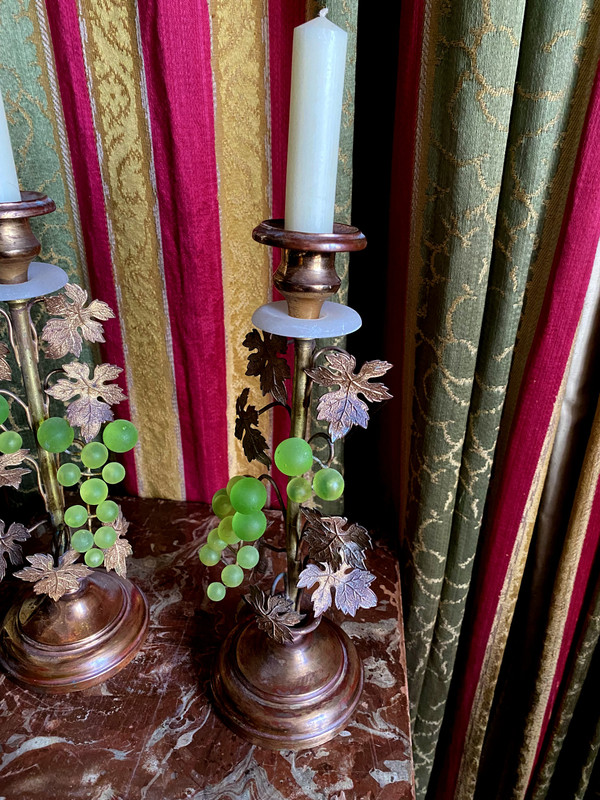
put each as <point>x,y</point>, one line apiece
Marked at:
<point>290,678</point>
<point>9,183</point>
<point>318,65</point>
<point>88,624</point>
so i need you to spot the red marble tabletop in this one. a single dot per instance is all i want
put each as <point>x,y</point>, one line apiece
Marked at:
<point>150,732</point>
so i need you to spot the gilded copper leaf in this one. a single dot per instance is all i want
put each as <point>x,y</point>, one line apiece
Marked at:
<point>75,323</point>
<point>88,412</point>
<point>266,362</point>
<point>342,408</point>
<point>116,556</point>
<point>9,544</point>
<point>247,431</point>
<point>275,614</point>
<point>333,540</point>
<point>12,477</point>
<point>51,580</point>
<point>5,374</point>
<point>351,589</point>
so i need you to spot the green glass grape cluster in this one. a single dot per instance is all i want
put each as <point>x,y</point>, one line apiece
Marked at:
<point>239,508</point>
<point>119,437</point>
<point>294,457</point>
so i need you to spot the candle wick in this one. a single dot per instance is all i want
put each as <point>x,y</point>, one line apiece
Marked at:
<point>323,12</point>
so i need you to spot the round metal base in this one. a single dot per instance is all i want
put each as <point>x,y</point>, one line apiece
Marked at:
<point>287,696</point>
<point>77,642</point>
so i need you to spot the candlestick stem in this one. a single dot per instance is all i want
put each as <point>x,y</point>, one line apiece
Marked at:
<point>27,353</point>
<point>303,349</point>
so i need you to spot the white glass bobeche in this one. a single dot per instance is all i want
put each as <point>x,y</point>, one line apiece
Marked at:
<point>42,279</point>
<point>335,320</point>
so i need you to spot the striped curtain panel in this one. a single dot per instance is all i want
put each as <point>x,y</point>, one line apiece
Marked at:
<point>159,127</point>
<point>495,218</point>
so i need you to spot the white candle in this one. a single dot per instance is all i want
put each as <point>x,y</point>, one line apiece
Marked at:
<point>318,66</point>
<point>9,183</point>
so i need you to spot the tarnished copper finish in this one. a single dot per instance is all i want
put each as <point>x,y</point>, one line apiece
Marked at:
<point>18,245</point>
<point>91,633</point>
<point>277,693</point>
<point>287,696</point>
<point>306,275</point>
<point>77,642</point>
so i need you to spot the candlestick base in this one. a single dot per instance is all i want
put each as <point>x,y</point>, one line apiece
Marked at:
<point>78,641</point>
<point>287,696</point>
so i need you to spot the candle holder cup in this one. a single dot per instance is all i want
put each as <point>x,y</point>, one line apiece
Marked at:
<point>74,626</point>
<point>306,275</point>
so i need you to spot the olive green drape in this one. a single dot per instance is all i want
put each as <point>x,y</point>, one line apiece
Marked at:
<point>503,90</point>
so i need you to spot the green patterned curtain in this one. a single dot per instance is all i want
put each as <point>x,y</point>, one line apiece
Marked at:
<point>503,88</point>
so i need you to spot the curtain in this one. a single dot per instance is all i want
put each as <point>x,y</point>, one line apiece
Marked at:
<point>494,223</point>
<point>160,130</point>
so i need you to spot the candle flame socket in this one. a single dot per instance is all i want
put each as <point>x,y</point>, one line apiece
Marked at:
<point>306,275</point>
<point>18,244</point>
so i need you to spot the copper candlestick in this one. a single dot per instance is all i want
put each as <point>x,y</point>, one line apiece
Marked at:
<point>301,692</point>
<point>95,630</point>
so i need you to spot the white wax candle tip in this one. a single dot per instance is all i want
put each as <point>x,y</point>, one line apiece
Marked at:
<point>323,12</point>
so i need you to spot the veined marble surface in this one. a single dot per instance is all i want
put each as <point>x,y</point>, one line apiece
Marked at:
<point>149,733</point>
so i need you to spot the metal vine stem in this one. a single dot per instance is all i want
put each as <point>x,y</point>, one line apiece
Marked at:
<point>274,404</point>
<point>18,400</point>
<point>34,333</point>
<point>34,464</point>
<point>271,480</point>
<point>329,349</point>
<point>327,438</point>
<point>11,336</point>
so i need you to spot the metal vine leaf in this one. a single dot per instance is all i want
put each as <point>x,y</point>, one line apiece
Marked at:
<point>351,589</point>
<point>9,544</point>
<point>51,580</point>
<point>247,431</point>
<point>88,413</point>
<point>12,477</point>
<point>266,363</point>
<point>75,323</point>
<point>5,373</point>
<point>334,541</point>
<point>342,408</point>
<point>116,556</point>
<point>275,614</point>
